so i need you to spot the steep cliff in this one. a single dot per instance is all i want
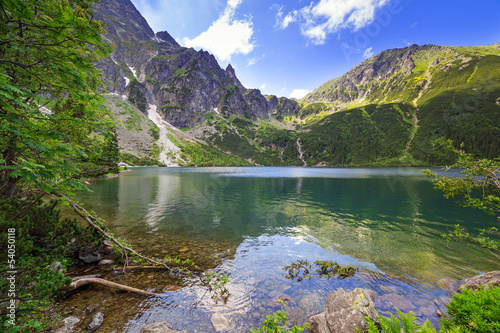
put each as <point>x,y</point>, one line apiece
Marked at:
<point>182,83</point>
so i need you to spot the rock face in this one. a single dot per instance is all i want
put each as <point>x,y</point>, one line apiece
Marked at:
<point>455,286</point>
<point>485,280</point>
<point>160,327</point>
<point>183,84</point>
<point>371,75</point>
<point>344,313</point>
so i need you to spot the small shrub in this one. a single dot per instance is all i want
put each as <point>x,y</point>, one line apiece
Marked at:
<point>276,323</point>
<point>406,324</point>
<point>475,311</point>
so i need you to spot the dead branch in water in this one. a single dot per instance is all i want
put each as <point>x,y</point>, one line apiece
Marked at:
<point>94,222</point>
<point>88,280</point>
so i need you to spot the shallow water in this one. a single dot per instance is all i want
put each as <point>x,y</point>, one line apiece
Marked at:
<point>251,222</point>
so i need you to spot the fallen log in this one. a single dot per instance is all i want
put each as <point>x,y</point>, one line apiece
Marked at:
<point>77,283</point>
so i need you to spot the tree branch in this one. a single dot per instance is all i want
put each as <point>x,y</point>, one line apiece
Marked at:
<point>94,222</point>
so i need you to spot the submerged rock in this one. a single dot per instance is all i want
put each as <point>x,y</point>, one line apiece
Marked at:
<point>345,312</point>
<point>68,325</point>
<point>220,322</point>
<point>160,327</point>
<point>96,322</point>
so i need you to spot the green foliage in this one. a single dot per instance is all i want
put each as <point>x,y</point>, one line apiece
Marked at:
<point>475,311</point>
<point>139,161</point>
<point>176,262</point>
<point>276,323</point>
<point>197,154</point>
<point>479,187</point>
<point>312,108</point>
<point>154,131</point>
<point>216,283</point>
<point>136,95</point>
<point>301,269</point>
<point>41,237</point>
<point>406,324</point>
<point>48,49</point>
<point>155,151</point>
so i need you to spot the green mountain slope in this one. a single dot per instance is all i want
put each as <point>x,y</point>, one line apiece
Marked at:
<point>385,111</point>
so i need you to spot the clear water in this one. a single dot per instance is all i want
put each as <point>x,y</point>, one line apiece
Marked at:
<point>251,222</point>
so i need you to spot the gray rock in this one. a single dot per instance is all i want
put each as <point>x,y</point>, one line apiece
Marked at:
<point>344,313</point>
<point>310,302</point>
<point>220,322</point>
<point>68,325</point>
<point>96,322</point>
<point>56,266</point>
<point>318,323</point>
<point>485,280</point>
<point>449,285</point>
<point>89,257</point>
<point>106,262</point>
<point>160,327</point>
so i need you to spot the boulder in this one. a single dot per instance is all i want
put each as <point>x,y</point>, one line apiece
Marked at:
<point>220,322</point>
<point>96,322</point>
<point>345,312</point>
<point>450,285</point>
<point>160,327</point>
<point>89,257</point>
<point>485,280</point>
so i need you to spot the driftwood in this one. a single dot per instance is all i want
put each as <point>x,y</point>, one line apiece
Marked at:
<point>114,269</point>
<point>78,282</point>
<point>94,222</point>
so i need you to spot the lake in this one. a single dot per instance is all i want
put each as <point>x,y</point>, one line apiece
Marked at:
<point>251,222</point>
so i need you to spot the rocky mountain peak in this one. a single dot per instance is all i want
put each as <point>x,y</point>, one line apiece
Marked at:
<point>182,83</point>
<point>164,36</point>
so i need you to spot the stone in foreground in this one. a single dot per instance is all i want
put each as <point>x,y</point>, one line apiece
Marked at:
<point>344,313</point>
<point>220,322</point>
<point>160,327</point>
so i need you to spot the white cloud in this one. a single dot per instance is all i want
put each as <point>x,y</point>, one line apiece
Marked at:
<point>368,52</point>
<point>262,87</point>
<point>226,36</point>
<point>298,93</point>
<point>289,18</point>
<point>320,19</point>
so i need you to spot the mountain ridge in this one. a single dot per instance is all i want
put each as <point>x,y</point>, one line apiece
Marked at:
<point>384,111</point>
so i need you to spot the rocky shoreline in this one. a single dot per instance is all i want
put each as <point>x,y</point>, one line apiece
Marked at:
<point>345,311</point>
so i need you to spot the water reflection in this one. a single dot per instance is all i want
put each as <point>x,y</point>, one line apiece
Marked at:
<point>251,222</point>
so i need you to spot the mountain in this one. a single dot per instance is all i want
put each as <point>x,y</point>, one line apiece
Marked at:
<point>182,83</point>
<point>446,91</point>
<point>178,106</point>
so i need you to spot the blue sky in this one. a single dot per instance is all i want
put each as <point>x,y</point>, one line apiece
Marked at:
<point>290,47</point>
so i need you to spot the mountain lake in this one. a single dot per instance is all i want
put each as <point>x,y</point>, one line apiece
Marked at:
<point>251,222</point>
